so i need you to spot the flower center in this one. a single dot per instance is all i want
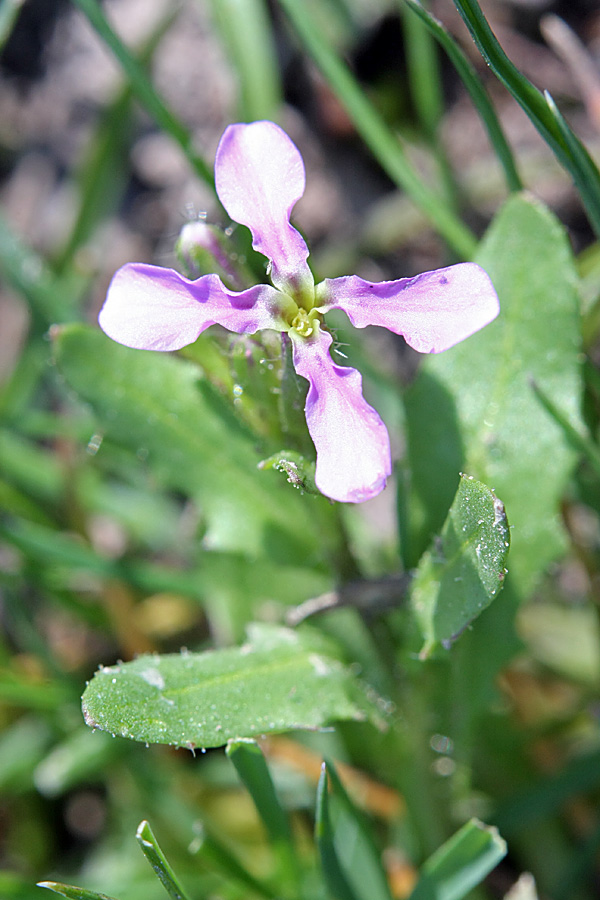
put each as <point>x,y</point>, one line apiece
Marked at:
<point>304,323</point>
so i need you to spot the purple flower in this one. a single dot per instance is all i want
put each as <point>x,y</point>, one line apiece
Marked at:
<point>259,177</point>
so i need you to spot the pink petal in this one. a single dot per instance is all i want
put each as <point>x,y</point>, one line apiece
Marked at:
<point>259,175</point>
<point>353,447</point>
<point>432,311</point>
<point>151,308</point>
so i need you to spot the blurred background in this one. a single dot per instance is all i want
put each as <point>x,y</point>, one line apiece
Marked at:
<point>89,181</point>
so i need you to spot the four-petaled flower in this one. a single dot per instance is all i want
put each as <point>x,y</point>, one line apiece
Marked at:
<point>259,177</point>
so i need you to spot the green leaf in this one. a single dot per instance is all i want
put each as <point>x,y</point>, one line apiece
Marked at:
<point>203,700</point>
<point>71,892</point>
<point>465,568</point>
<point>250,765</point>
<point>163,871</point>
<point>163,410</point>
<point>50,299</point>
<point>338,886</point>
<point>252,768</point>
<point>473,408</point>
<point>460,864</point>
<point>358,855</point>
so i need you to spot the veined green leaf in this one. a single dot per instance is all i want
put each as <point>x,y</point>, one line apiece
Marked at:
<point>206,699</point>
<point>465,568</point>
<point>473,408</point>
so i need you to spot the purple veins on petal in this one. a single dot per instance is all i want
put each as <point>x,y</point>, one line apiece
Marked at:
<point>352,443</point>
<point>259,174</point>
<point>151,308</point>
<point>432,311</point>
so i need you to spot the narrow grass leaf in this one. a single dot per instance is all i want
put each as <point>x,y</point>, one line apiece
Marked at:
<point>384,145</point>
<point>9,10</point>
<point>102,179</point>
<point>246,32</point>
<point>250,764</point>
<point>80,757</point>
<point>425,87</point>
<point>155,856</point>
<point>580,442</point>
<point>337,884</point>
<point>358,855</point>
<point>71,892</point>
<point>461,863</point>
<point>252,768</point>
<point>565,144</point>
<point>214,853</point>
<point>143,88</point>
<point>49,299</point>
<point>477,93</point>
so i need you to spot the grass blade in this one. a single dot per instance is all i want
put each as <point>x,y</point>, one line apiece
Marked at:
<point>252,768</point>
<point>575,437</point>
<point>248,759</point>
<point>461,863</point>
<point>425,87</point>
<point>9,10</point>
<point>71,892</point>
<point>49,300</point>
<point>157,860</point>
<point>244,26</point>
<point>382,142</point>
<point>334,877</point>
<point>355,842</point>
<point>565,144</point>
<point>143,88</point>
<point>477,92</point>
<point>102,178</point>
<point>214,853</point>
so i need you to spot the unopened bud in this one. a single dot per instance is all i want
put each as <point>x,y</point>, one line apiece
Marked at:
<point>203,249</point>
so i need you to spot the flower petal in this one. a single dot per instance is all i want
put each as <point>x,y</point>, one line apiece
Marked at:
<point>432,311</point>
<point>353,446</point>
<point>151,308</point>
<point>259,175</point>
